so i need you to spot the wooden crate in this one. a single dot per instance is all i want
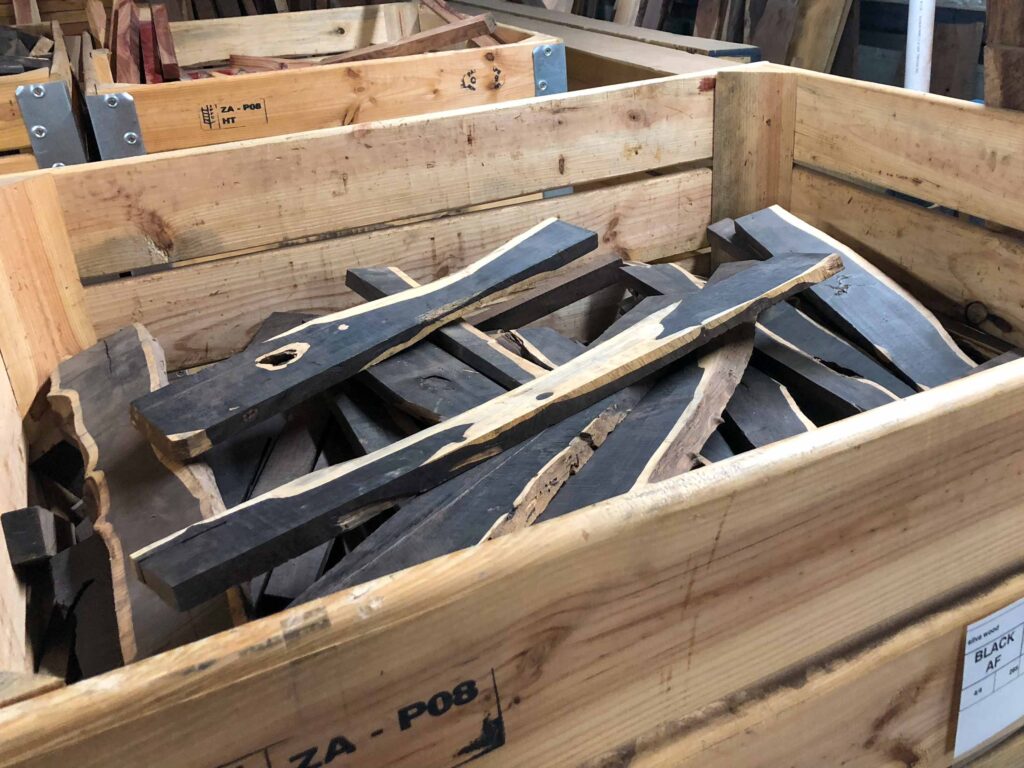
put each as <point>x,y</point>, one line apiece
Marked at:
<point>803,604</point>
<point>14,137</point>
<point>178,115</point>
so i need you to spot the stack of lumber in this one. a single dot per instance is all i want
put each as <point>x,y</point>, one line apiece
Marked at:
<point>1004,55</point>
<point>336,449</point>
<point>22,51</point>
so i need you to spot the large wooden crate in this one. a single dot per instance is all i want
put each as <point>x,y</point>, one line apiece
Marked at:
<point>191,113</point>
<point>15,143</point>
<point>803,604</point>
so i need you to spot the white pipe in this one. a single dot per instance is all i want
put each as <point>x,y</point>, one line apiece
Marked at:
<point>920,34</point>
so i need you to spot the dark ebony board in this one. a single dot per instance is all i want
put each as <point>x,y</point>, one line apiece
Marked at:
<point>663,435</point>
<point>202,559</point>
<point>196,412</point>
<point>134,497</point>
<point>863,302</point>
<point>461,340</point>
<point>461,512</point>
<point>556,292</point>
<point>545,347</point>
<point>716,449</point>
<point>31,535</point>
<point>364,422</point>
<point>761,412</point>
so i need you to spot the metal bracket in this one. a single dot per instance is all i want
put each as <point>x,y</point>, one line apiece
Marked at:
<point>115,124</point>
<point>52,130</point>
<point>550,76</point>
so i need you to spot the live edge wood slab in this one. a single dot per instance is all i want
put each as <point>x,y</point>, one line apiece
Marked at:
<point>204,558</point>
<point>188,417</point>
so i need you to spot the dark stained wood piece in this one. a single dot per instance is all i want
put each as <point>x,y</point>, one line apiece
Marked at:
<point>762,412</point>
<point>31,535</point>
<point>134,496</point>
<point>449,14</point>
<point>126,44</point>
<point>715,449</point>
<point>364,422</point>
<point>558,291</point>
<point>461,340</point>
<point>228,8</point>
<point>150,58</point>
<point>421,42</point>
<point>202,559</point>
<point>544,347</point>
<point>863,302</point>
<point>189,416</point>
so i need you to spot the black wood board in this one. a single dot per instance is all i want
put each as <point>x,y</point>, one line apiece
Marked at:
<point>31,535</point>
<point>862,302</point>
<point>200,560</point>
<point>461,340</point>
<point>544,346</point>
<point>761,412</point>
<point>196,412</point>
<point>363,420</point>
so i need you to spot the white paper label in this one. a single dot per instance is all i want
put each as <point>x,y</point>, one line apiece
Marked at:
<point>992,690</point>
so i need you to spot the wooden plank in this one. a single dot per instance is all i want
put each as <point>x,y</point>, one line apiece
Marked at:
<point>30,534</point>
<point>753,158</point>
<point>227,9</point>
<point>173,117</point>
<point>274,204</point>
<point>938,251</point>
<point>590,49</point>
<point>18,163</point>
<point>362,419</point>
<point>762,412</point>
<point>422,42</point>
<point>819,27</point>
<point>186,418</point>
<point>126,44</point>
<point>169,69</point>
<point>461,340</point>
<point>957,47</point>
<point>1005,20</point>
<point>545,346</point>
<point>26,12</point>
<point>441,9</point>
<point>18,686</point>
<point>775,29</point>
<point>894,148</point>
<point>150,60</point>
<point>460,513</point>
<point>624,620</point>
<point>208,311</point>
<point>866,304</point>
<point>42,302</point>
<point>314,33</point>
<point>185,567</point>
<point>662,436</point>
<point>92,391</point>
<point>96,14</point>
<point>708,21</point>
<point>1003,67</point>
<point>688,43</point>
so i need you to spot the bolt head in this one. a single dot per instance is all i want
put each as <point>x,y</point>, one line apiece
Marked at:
<point>38,131</point>
<point>111,101</point>
<point>976,313</point>
<point>57,165</point>
<point>131,138</point>
<point>542,85</point>
<point>38,91</point>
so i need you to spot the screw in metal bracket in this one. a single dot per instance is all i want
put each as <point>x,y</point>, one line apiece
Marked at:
<point>542,85</point>
<point>131,137</point>
<point>38,91</point>
<point>57,165</point>
<point>39,131</point>
<point>547,50</point>
<point>111,101</point>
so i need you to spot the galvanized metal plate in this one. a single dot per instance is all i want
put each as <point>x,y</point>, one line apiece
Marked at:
<point>549,72</point>
<point>52,130</point>
<point>115,124</point>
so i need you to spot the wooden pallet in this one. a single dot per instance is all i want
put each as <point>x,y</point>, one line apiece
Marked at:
<point>851,557</point>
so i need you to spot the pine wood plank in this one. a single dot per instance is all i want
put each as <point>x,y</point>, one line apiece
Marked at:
<point>938,251</point>
<point>441,9</point>
<point>41,298</point>
<point>753,162</point>
<point>462,340</point>
<point>422,42</point>
<point>314,33</point>
<point>92,391</point>
<point>278,202</point>
<point>864,302</point>
<point>819,26</point>
<point>186,566</point>
<point>190,416</point>
<point>15,647</point>
<point>775,29</point>
<point>96,15</point>
<point>18,686</point>
<point>894,148</point>
<point>209,311</point>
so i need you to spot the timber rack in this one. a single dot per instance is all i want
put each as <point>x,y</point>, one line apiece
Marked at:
<point>801,604</point>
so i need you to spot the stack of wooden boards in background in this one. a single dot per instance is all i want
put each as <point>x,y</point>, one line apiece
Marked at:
<point>1004,54</point>
<point>340,448</point>
<point>22,51</point>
